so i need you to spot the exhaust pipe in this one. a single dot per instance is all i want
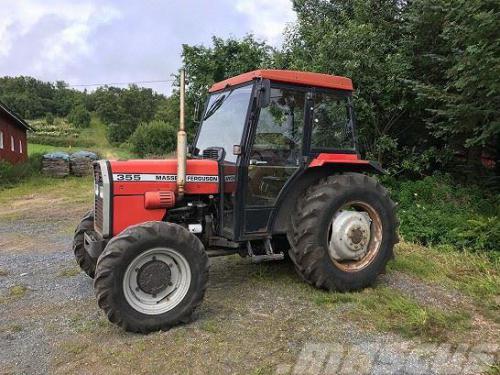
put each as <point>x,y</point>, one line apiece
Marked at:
<point>181,140</point>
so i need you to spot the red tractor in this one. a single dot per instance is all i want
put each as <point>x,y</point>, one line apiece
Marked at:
<point>273,171</point>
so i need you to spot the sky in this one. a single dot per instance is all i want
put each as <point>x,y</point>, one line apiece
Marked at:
<point>114,41</point>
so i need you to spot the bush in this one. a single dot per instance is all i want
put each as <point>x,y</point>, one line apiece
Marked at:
<point>79,117</point>
<point>49,118</point>
<point>435,210</point>
<point>154,138</point>
<point>12,173</point>
<point>117,133</point>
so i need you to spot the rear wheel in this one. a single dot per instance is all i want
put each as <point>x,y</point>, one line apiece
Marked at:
<point>151,277</point>
<point>86,263</point>
<point>343,232</point>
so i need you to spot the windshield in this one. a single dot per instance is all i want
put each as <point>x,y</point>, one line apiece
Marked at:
<point>224,120</point>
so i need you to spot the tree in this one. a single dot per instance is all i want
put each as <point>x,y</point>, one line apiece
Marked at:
<point>154,138</point>
<point>79,117</point>
<point>225,58</point>
<point>361,40</point>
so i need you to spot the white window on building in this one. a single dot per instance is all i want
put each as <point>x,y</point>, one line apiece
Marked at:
<point>12,147</point>
<point>1,140</point>
<point>20,146</point>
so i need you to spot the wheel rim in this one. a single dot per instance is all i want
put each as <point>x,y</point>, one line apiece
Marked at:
<point>354,236</point>
<point>156,281</point>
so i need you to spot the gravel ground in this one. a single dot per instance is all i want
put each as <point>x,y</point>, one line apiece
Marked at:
<point>253,320</point>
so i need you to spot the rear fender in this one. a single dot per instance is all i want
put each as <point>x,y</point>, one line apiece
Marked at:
<point>285,204</point>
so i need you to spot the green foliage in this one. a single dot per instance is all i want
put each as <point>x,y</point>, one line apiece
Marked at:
<point>32,98</point>
<point>225,58</point>
<point>457,77</point>
<point>13,173</point>
<point>154,138</point>
<point>79,117</point>
<point>49,119</point>
<point>435,210</point>
<point>123,109</point>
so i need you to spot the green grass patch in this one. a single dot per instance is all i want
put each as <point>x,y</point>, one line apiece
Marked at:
<point>475,274</point>
<point>493,369</point>
<point>71,189</point>
<point>82,324</point>
<point>70,272</point>
<point>15,292</point>
<point>387,310</point>
<point>11,328</point>
<point>210,326</point>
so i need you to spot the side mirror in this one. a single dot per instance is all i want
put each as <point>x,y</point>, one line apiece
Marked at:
<point>265,93</point>
<point>193,150</point>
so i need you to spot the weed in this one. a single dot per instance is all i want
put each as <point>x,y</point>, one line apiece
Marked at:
<point>477,275</point>
<point>209,326</point>
<point>388,310</point>
<point>15,292</point>
<point>75,347</point>
<point>70,272</point>
<point>493,369</point>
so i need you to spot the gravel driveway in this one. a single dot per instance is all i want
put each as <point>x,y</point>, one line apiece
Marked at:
<point>256,319</point>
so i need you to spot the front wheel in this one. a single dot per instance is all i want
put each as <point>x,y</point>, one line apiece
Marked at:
<point>151,277</point>
<point>343,232</point>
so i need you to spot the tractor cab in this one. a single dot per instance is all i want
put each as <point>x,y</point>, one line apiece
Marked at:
<point>270,127</point>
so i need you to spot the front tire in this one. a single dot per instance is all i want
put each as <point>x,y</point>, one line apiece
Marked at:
<point>151,277</point>
<point>86,263</point>
<point>343,232</point>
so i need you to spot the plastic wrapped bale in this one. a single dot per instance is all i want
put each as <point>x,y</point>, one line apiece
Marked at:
<point>81,163</point>
<point>55,164</point>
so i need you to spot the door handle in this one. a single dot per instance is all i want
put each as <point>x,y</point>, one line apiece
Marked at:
<point>257,162</point>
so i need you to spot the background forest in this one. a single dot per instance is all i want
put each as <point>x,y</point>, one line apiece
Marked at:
<point>427,98</point>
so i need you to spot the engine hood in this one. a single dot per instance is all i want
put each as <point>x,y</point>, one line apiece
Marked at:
<point>132,177</point>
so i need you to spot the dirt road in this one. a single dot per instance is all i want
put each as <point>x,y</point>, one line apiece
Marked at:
<point>257,319</point>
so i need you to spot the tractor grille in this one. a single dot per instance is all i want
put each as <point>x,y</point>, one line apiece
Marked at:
<point>98,199</point>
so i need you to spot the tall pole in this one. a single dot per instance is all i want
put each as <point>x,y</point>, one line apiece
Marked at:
<point>181,140</point>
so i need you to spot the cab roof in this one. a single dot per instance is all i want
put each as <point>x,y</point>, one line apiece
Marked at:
<point>288,76</point>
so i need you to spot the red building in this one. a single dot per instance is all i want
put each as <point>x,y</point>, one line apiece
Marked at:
<point>13,145</point>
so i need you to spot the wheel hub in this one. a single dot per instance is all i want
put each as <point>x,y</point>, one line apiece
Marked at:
<point>154,277</point>
<point>350,235</point>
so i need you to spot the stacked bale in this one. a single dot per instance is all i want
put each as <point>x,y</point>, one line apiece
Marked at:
<point>55,164</point>
<point>81,163</point>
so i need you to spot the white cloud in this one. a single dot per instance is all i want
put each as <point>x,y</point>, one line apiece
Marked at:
<point>58,46</point>
<point>267,18</point>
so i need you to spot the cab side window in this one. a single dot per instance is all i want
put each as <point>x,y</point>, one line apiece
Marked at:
<point>278,139</point>
<point>331,123</point>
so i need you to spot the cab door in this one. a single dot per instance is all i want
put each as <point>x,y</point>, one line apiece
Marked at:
<point>275,154</point>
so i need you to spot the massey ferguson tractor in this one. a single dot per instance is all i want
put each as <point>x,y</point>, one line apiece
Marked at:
<point>273,171</point>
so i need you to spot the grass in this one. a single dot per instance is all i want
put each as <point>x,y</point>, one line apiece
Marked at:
<point>12,328</point>
<point>385,309</point>
<point>70,189</point>
<point>15,293</point>
<point>94,135</point>
<point>493,369</point>
<point>476,275</point>
<point>209,326</point>
<point>70,272</point>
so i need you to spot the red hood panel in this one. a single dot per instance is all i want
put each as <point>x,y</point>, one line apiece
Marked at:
<point>133,177</point>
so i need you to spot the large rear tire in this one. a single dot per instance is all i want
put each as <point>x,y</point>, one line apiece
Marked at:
<point>343,232</point>
<point>86,263</point>
<point>151,277</point>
